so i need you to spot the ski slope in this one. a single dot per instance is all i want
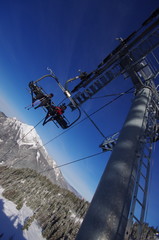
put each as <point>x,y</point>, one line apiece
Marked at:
<point>12,221</point>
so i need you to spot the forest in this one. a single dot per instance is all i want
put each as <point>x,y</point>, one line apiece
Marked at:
<point>58,211</point>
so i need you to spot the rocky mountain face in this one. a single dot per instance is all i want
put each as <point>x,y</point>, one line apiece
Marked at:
<point>21,147</point>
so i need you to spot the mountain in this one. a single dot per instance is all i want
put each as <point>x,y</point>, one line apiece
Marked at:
<point>21,147</point>
<point>57,211</point>
<point>55,207</point>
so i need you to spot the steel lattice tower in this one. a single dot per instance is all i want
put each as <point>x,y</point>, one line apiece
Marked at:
<point>120,198</point>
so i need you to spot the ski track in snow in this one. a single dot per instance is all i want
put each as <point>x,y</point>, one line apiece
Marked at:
<point>12,221</point>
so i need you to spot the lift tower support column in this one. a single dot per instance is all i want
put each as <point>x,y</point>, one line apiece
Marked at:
<point>107,215</point>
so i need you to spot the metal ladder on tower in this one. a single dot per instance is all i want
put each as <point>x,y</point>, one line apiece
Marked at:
<point>138,205</point>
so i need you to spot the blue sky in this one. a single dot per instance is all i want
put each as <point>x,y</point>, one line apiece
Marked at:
<point>68,35</point>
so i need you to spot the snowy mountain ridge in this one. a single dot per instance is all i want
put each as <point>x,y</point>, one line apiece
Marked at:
<point>27,135</point>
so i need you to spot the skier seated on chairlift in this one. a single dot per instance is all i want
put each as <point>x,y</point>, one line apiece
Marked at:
<point>39,95</point>
<point>44,101</point>
<point>36,90</point>
<point>54,112</point>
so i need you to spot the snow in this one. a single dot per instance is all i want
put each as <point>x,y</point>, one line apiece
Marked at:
<point>27,135</point>
<point>12,221</point>
<point>58,173</point>
<point>74,216</point>
<point>37,156</point>
<point>56,169</point>
<point>53,164</point>
<point>23,181</point>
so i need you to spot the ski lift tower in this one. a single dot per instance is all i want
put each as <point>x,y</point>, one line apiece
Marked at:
<point>120,198</point>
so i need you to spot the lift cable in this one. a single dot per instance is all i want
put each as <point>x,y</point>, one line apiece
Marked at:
<point>21,139</point>
<point>105,105</point>
<point>113,100</point>
<point>111,95</point>
<point>95,125</point>
<point>68,163</point>
<point>71,126</point>
<point>44,144</point>
<point>85,118</point>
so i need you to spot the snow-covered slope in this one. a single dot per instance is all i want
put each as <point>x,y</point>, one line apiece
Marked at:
<point>21,147</point>
<point>13,220</point>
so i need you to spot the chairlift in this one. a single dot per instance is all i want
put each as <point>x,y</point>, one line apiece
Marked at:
<point>38,94</point>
